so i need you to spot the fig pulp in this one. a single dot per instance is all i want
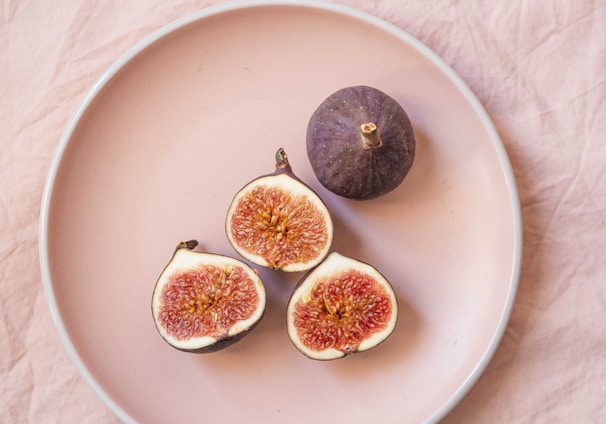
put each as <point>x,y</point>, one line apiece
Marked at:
<point>343,306</point>
<point>204,302</point>
<point>279,222</point>
<point>360,143</point>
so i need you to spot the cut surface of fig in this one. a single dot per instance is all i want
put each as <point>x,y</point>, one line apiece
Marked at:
<point>203,302</point>
<point>360,143</point>
<point>342,306</point>
<point>279,222</point>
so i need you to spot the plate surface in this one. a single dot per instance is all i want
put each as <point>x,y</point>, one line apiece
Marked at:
<point>171,132</point>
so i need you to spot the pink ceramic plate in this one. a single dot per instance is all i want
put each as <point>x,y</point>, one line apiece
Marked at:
<point>180,123</point>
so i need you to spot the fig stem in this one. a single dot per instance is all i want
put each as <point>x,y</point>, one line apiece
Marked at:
<point>370,136</point>
<point>281,159</point>
<point>190,245</point>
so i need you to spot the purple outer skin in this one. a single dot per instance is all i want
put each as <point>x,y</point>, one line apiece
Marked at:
<point>334,143</point>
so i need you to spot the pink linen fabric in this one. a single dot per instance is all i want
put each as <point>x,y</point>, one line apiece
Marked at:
<point>539,69</point>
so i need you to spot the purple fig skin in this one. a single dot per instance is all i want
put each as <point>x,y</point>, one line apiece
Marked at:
<point>350,164</point>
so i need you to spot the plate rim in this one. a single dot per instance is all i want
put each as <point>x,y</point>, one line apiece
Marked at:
<point>125,58</point>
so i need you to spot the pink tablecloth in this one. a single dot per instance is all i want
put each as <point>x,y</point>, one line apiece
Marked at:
<point>538,67</point>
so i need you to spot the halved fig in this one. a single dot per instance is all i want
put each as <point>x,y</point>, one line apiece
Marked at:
<point>204,302</point>
<point>279,222</point>
<point>343,306</point>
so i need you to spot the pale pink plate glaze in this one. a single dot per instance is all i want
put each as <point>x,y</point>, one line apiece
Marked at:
<point>180,123</point>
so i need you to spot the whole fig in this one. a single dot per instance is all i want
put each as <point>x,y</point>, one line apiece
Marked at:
<point>360,143</point>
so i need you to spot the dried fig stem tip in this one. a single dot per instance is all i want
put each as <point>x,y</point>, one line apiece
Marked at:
<point>281,159</point>
<point>370,136</point>
<point>189,245</point>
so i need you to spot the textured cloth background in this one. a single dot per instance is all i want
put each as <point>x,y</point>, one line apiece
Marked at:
<point>538,67</point>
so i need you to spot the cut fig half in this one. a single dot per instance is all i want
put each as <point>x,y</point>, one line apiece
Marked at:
<point>343,306</point>
<point>204,302</point>
<point>279,222</point>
